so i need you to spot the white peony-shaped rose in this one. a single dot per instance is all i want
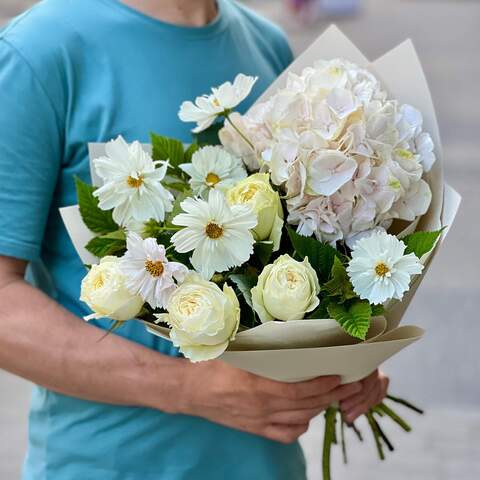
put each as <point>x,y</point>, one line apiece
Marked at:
<point>203,318</point>
<point>256,192</point>
<point>104,291</point>
<point>286,290</point>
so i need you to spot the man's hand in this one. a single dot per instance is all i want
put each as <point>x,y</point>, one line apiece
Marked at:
<point>373,391</point>
<point>238,399</point>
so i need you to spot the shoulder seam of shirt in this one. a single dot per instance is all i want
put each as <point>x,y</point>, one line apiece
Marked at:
<point>15,22</point>
<point>35,76</point>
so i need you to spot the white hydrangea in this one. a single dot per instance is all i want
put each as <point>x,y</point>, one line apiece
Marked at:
<point>348,158</point>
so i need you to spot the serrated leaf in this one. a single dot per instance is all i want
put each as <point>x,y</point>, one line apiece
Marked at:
<point>166,148</point>
<point>103,246</point>
<point>190,151</point>
<point>421,243</point>
<point>339,283</point>
<point>209,136</point>
<point>355,320</point>
<point>118,235</point>
<point>97,220</point>
<point>245,282</point>
<point>320,255</point>
<point>263,251</point>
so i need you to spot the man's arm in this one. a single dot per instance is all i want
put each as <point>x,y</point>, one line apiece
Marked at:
<point>44,343</point>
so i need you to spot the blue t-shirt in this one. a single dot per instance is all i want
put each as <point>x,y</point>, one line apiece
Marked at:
<point>78,71</point>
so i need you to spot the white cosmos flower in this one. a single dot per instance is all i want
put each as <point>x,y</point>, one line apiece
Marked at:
<point>379,270</point>
<point>213,167</point>
<point>132,183</point>
<point>223,98</point>
<point>148,272</point>
<point>219,234</point>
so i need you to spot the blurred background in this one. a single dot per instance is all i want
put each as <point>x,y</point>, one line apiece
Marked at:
<point>441,372</point>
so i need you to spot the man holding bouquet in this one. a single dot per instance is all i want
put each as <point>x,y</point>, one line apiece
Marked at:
<point>128,407</point>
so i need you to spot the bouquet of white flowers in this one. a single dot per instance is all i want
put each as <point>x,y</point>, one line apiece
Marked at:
<point>283,240</point>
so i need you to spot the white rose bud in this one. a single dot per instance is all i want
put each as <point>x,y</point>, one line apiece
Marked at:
<point>256,192</point>
<point>202,317</point>
<point>286,290</point>
<point>104,291</point>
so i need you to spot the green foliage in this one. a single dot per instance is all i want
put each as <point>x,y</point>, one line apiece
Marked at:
<point>339,284</point>
<point>321,311</point>
<point>165,148</point>
<point>355,319</point>
<point>97,220</point>
<point>110,244</point>
<point>190,151</point>
<point>263,251</point>
<point>245,282</point>
<point>421,243</point>
<point>377,310</point>
<point>209,136</point>
<point>320,255</point>
<point>176,209</point>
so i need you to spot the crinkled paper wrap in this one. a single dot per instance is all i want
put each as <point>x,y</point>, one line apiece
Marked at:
<point>304,349</point>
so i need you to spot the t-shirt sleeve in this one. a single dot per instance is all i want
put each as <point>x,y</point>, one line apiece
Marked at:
<point>30,156</point>
<point>284,50</point>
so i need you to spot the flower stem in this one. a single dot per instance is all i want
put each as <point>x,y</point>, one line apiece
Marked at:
<point>328,440</point>
<point>376,434</point>
<point>358,433</point>
<point>242,135</point>
<point>382,434</point>
<point>395,417</point>
<point>403,402</point>
<point>342,439</point>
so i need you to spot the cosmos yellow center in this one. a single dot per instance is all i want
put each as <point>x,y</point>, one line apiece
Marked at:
<point>135,182</point>
<point>155,269</point>
<point>381,269</point>
<point>214,230</point>
<point>212,178</point>
<point>215,102</point>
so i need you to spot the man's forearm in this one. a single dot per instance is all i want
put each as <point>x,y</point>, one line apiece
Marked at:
<point>44,343</point>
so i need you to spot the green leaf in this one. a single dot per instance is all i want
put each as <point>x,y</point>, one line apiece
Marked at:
<point>377,310</point>
<point>320,255</point>
<point>321,311</point>
<point>176,208</point>
<point>118,235</point>
<point>166,148</point>
<point>263,250</point>
<point>209,136</point>
<point>176,184</point>
<point>354,320</point>
<point>245,282</point>
<point>190,151</point>
<point>105,245</point>
<point>97,220</point>
<point>339,284</point>
<point>421,243</point>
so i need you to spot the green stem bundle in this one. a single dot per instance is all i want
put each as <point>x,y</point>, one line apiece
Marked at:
<point>380,411</point>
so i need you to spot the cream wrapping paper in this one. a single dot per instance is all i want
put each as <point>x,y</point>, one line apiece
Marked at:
<point>304,349</point>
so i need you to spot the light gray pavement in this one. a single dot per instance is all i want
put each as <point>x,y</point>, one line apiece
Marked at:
<point>441,372</point>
